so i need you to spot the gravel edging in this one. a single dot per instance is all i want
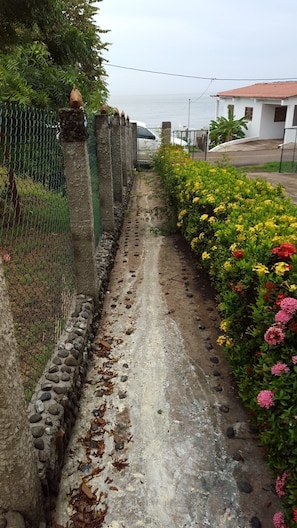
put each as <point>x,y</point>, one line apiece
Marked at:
<point>54,406</point>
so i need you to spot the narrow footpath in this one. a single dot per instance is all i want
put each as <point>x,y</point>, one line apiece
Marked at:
<point>161,440</point>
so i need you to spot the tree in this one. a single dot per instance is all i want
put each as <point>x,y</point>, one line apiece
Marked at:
<point>47,50</point>
<point>226,129</point>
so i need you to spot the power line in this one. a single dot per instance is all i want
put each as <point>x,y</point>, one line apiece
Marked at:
<point>198,76</point>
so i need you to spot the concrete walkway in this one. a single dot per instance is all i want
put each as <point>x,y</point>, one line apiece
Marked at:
<point>161,440</point>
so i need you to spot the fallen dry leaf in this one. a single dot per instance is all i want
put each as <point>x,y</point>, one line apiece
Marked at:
<point>87,491</point>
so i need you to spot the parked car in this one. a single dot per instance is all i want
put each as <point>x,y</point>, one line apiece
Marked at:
<point>148,142</point>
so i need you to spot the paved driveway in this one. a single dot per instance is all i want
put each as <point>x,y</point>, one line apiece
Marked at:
<point>250,153</point>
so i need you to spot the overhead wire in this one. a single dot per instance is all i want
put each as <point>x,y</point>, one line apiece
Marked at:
<point>211,79</point>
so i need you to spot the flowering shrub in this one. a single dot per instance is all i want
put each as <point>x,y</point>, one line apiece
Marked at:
<point>244,233</point>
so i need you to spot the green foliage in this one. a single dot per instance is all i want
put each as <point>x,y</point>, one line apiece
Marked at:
<point>243,232</point>
<point>226,129</point>
<point>46,48</point>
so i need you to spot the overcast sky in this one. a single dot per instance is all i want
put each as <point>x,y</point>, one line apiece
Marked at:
<point>251,40</point>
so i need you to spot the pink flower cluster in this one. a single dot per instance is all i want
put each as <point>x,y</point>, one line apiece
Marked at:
<point>274,335</point>
<point>265,399</point>
<point>288,308</point>
<point>289,305</point>
<point>280,484</point>
<point>278,520</point>
<point>279,368</point>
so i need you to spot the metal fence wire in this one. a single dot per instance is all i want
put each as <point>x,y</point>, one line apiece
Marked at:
<point>35,237</point>
<point>288,161</point>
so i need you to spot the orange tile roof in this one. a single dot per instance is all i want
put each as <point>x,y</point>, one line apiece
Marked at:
<point>274,90</point>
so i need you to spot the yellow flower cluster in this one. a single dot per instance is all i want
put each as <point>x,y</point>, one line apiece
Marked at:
<point>194,242</point>
<point>260,269</point>
<point>220,209</point>
<point>182,214</point>
<point>224,340</point>
<point>281,267</point>
<point>227,265</point>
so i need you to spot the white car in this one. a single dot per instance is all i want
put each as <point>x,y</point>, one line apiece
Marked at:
<point>148,142</point>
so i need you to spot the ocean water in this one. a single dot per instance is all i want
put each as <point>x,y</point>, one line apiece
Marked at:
<point>182,110</point>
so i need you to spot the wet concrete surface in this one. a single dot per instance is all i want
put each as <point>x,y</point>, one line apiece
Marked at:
<point>161,440</point>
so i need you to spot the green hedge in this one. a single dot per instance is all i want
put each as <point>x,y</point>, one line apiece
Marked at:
<point>244,233</point>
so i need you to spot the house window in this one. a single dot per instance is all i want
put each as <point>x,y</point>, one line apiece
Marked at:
<point>295,116</point>
<point>231,110</point>
<point>280,113</point>
<point>248,113</point>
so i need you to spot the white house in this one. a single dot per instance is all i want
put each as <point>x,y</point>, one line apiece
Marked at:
<point>270,109</point>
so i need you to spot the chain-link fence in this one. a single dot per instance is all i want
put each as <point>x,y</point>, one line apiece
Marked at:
<point>288,161</point>
<point>35,237</point>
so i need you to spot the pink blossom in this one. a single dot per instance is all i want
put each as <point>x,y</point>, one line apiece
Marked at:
<point>274,335</point>
<point>294,360</point>
<point>280,484</point>
<point>279,368</point>
<point>6,257</point>
<point>278,520</point>
<point>289,304</point>
<point>265,399</point>
<point>282,317</point>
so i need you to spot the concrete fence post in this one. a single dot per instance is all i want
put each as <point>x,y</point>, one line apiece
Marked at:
<point>166,132</point>
<point>123,149</point>
<point>77,171</point>
<point>20,483</point>
<point>116,158</point>
<point>102,132</point>
<point>134,144</point>
<point>128,147</point>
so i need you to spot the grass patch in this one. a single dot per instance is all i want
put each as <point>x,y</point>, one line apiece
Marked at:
<point>39,272</point>
<point>271,166</point>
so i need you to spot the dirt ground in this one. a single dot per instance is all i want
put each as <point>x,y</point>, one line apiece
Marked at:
<point>162,440</point>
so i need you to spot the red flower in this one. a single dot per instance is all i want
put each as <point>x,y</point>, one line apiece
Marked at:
<point>238,253</point>
<point>280,297</point>
<point>293,327</point>
<point>295,515</point>
<point>238,288</point>
<point>270,286</point>
<point>284,251</point>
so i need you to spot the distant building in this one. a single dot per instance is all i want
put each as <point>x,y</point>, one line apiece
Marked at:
<point>270,109</point>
